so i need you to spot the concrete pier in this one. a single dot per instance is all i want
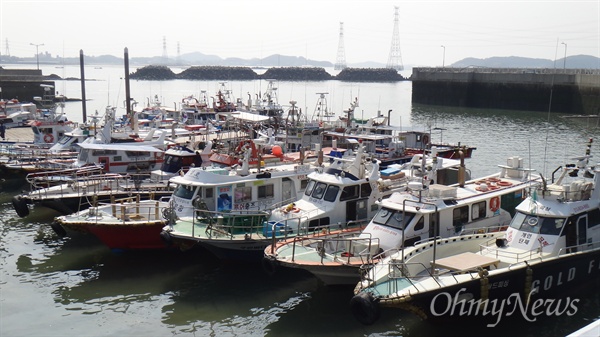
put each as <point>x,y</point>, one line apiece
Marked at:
<point>573,91</point>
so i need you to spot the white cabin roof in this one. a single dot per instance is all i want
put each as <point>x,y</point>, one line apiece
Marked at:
<point>122,147</point>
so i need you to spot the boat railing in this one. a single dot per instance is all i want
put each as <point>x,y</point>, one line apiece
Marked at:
<point>31,153</point>
<point>46,178</point>
<point>579,248</point>
<point>230,223</point>
<point>128,209</point>
<point>105,184</point>
<point>493,247</point>
<point>464,232</point>
<point>335,242</point>
<point>400,270</point>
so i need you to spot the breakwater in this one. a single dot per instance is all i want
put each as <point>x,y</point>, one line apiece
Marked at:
<point>572,91</point>
<point>24,84</point>
<point>155,73</point>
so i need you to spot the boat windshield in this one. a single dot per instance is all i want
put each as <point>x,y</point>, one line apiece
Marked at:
<point>393,218</point>
<point>320,190</point>
<point>64,140</point>
<point>537,224</point>
<point>184,191</point>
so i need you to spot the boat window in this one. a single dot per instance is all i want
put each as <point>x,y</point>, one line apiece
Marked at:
<point>420,224</point>
<point>309,187</point>
<point>303,184</point>
<point>460,216</point>
<point>400,219</point>
<point>319,190</point>
<point>332,193</point>
<point>365,190</point>
<point>64,140</point>
<point>243,194</point>
<point>171,164</point>
<point>594,216</point>
<point>382,216</point>
<point>349,192</point>
<point>184,191</point>
<point>208,192</point>
<point>478,210</point>
<point>266,191</point>
<point>83,155</point>
<point>104,152</point>
<point>537,224</point>
<point>136,153</point>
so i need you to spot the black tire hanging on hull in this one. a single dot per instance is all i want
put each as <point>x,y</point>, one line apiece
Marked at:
<point>269,266</point>
<point>20,206</point>
<point>166,238</point>
<point>364,308</point>
<point>58,229</point>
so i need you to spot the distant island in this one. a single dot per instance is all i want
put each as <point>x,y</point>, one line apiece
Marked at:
<point>200,59</point>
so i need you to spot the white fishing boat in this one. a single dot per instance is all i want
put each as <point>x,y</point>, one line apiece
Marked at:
<point>422,211</point>
<point>550,248</point>
<point>16,114</point>
<point>224,209</point>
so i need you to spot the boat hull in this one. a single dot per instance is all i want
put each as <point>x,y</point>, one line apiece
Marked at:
<point>547,284</point>
<point>131,237</point>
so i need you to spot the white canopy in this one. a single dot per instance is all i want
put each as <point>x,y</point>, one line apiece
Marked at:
<point>122,147</point>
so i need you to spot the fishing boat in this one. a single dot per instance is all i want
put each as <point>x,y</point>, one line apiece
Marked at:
<point>120,223</point>
<point>362,186</point>
<point>69,191</point>
<point>389,143</point>
<point>405,218</point>
<point>551,247</point>
<point>224,209</point>
<point>16,114</point>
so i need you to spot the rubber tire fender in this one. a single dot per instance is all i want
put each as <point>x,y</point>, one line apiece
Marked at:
<point>364,308</point>
<point>269,266</point>
<point>20,205</point>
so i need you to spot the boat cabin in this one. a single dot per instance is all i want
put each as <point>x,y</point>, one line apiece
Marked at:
<point>120,158</point>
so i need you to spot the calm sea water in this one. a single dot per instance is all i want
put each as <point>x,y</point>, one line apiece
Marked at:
<point>51,286</point>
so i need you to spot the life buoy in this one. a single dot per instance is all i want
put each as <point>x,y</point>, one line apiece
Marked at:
<point>364,308</point>
<point>291,208</point>
<point>504,183</point>
<point>494,204</point>
<point>425,139</point>
<point>160,156</point>
<point>48,138</point>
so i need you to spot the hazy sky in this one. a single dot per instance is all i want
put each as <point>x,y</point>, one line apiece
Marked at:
<point>309,28</point>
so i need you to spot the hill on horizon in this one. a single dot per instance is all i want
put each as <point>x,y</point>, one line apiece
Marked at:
<point>277,60</point>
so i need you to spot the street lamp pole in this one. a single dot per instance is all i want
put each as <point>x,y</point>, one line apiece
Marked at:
<point>444,57</point>
<point>37,53</point>
<point>565,59</point>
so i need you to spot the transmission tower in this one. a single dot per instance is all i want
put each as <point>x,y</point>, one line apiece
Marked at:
<point>7,50</point>
<point>165,57</point>
<point>395,59</point>
<point>340,61</point>
<point>178,54</point>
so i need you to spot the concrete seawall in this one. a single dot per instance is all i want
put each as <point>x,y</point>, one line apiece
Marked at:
<point>573,91</point>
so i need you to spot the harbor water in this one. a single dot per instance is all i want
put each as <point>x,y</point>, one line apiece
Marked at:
<point>75,286</point>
